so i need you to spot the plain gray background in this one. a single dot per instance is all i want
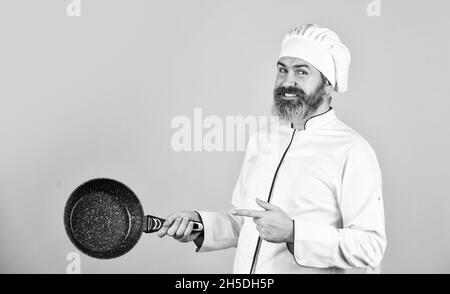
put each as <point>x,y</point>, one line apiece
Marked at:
<point>94,96</point>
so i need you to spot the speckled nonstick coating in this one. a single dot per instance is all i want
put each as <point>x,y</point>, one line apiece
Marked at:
<point>103,218</point>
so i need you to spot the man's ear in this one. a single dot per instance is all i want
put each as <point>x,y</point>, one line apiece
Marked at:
<point>328,89</point>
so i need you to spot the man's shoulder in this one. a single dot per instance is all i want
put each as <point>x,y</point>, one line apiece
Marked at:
<point>354,138</point>
<point>340,126</point>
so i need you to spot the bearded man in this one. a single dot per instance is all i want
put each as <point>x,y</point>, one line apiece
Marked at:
<point>313,205</point>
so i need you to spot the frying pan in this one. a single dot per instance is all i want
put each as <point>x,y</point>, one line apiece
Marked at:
<point>105,219</point>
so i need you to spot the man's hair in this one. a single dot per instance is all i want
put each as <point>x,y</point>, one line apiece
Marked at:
<point>324,79</point>
<point>325,82</point>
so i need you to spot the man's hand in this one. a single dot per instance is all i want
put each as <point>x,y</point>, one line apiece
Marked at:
<point>273,224</point>
<point>179,226</point>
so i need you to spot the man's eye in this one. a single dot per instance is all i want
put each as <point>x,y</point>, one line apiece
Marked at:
<point>282,70</point>
<point>301,72</point>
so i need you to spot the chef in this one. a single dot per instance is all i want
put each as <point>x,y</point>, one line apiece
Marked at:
<point>308,199</point>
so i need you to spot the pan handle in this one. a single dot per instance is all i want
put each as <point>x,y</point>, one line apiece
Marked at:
<point>153,224</point>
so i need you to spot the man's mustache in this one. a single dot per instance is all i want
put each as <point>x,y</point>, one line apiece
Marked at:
<point>289,90</point>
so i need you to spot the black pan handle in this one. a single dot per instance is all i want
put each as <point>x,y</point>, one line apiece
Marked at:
<point>153,224</point>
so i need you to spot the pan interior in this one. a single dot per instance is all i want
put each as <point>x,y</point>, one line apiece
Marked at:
<point>100,222</point>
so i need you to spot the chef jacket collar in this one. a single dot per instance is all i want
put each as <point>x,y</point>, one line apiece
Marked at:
<point>317,121</point>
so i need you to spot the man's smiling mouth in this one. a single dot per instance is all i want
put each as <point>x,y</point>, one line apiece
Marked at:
<point>289,96</point>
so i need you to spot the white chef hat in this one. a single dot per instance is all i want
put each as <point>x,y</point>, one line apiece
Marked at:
<point>322,48</point>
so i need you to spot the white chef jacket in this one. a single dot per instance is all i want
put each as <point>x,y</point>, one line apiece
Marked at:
<point>328,182</point>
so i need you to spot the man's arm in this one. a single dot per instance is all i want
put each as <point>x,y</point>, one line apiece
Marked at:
<point>220,231</point>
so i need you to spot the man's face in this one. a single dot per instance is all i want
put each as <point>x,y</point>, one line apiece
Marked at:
<point>299,89</point>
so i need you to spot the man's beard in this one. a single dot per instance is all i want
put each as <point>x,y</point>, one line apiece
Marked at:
<point>299,108</point>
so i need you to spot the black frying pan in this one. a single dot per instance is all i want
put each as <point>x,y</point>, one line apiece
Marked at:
<point>104,219</point>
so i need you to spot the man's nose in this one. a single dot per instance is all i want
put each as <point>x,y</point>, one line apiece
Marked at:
<point>290,81</point>
<point>289,84</point>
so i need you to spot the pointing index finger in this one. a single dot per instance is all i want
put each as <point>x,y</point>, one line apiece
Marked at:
<point>248,212</point>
